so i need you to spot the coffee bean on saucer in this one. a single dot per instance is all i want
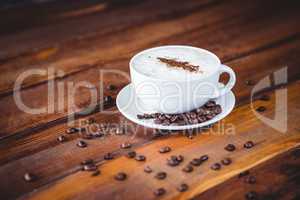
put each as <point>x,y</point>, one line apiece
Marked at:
<point>159,191</point>
<point>111,87</point>
<point>182,187</point>
<point>96,173</point>
<point>261,109</point>
<point>196,162</point>
<point>125,145</point>
<point>210,104</point>
<point>108,99</point>
<point>230,147</point>
<point>249,145</point>
<point>140,158</point>
<point>108,156</point>
<point>216,166</point>
<point>244,173</point>
<point>250,179</point>
<point>204,158</point>
<point>61,138</point>
<point>165,149</point>
<point>29,177</point>
<point>131,154</point>
<point>249,82</point>
<point>226,161</point>
<point>81,144</point>
<point>87,162</point>
<point>188,168</point>
<point>121,176</point>
<point>147,169</point>
<point>161,175</point>
<point>252,195</point>
<point>264,97</point>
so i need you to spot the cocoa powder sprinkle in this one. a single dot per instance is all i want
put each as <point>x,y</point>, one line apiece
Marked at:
<point>180,64</point>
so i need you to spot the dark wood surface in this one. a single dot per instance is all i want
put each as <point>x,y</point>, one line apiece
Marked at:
<point>255,38</point>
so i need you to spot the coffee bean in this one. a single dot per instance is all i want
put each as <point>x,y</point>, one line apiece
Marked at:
<point>161,175</point>
<point>29,177</point>
<point>140,116</point>
<point>165,149</point>
<point>140,158</point>
<point>108,100</point>
<point>264,97</point>
<point>147,169</point>
<point>252,195</point>
<point>226,161</point>
<point>261,109</point>
<point>108,156</point>
<point>95,173</point>
<point>87,162</point>
<point>204,158</point>
<point>249,82</point>
<point>131,154</point>
<point>172,162</point>
<point>72,130</point>
<point>81,144</point>
<point>250,180</point>
<point>61,138</point>
<point>244,173</point>
<point>121,176</point>
<point>182,187</point>
<point>230,147</point>
<point>180,158</point>
<point>89,167</point>
<point>159,192</point>
<point>216,166</point>
<point>196,162</point>
<point>125,145</point>
<point>188,168</point>
<point>111,87</point>
<point>210,104</point>
<point>249,145</point>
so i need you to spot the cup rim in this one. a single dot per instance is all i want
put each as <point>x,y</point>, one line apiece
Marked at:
<point>173,46</point>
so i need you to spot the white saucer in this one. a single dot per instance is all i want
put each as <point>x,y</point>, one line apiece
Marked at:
<point>127,106</point>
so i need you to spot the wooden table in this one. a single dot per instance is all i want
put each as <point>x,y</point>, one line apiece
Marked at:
<point>260,40</point>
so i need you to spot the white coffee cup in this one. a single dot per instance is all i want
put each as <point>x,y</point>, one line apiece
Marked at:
<point>159,88</point>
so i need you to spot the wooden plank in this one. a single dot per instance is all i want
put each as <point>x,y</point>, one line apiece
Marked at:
<point>275,179</point>
<point>242,125</point>
<point>76,55</point>
<point>10,124</point>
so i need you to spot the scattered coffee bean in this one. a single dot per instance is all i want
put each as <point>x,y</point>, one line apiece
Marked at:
<point>261,109</point>
<point>165,149</point>
<point>140,158</point>
<point>264,97</point>
<point>249,145</point>
<point>180,158</point>
<point>111,87</point>
<point>244,173</point>
<point>108,156</point>
<point>249,82</point>
<point>196,162</point>
<point>87,162</point>
<point>251,195</point>
<point>125,145</point>
<point>147,169</point>
<point>72,130</point>
<point>204,158</point>
<point>174,160</point>
<point>161,175</point>
<point>230,147</point>
<point>226,161</point>
<point>121,176</point>
<point>29,177</point>
<point>131,154</point>
<point>61,138</point>
<point>159,192</point>
<point>89,167</point>
<point>108,99</point>
<point>183,187</point>
<point>250,179</point>
<point>188,168</point>
<point>216,166</point>
<point>95,173</point>
<point>81,144</point>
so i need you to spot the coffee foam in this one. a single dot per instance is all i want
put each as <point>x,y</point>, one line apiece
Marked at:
<point>147,62</point>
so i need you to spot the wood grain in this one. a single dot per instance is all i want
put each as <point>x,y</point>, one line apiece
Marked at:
<point>240,126</point>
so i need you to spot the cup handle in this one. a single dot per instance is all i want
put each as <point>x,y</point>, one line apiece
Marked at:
<point>231,82</point>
